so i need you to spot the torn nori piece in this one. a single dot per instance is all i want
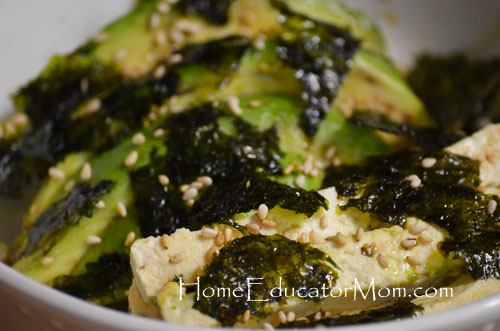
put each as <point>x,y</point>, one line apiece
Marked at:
<point>104,282</point>
<point>225,199</point>
<point>392,312</point>
<point>429,138</point>
<point>458,92</point>
<point>447,197</point>
<point>321,55</point>
<point>267,257</point>
<point>215,11</point>
<point>69,210</point>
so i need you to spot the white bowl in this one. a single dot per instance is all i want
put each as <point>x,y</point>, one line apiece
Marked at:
<point>31,31</point>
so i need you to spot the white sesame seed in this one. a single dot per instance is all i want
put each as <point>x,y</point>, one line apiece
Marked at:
<point>414,260</point>
<point>177,258</point>
<point>267,326</point>
<point>93,240</point>
<point>219,239</point>
<point>205,180</point>
<point>69,185</point>
<point>100,204</point>
<point>138,139</point>
<point>34,209</point>
<point>19,119</point>
<point>56,173</point>
<point>47,260</point>
<point>416,229</point>
<point>289,168</point>
<point>323,222</point>
<point>162,7</point>
<point>197,185</point>
<point>317,316</point>
<point>160,38</point>
<point>246,316</point>
<point>300,180</point>
<point>414,180</point>
<point>208,232</point>
<point>86,172</point>
<point>260,43</point>
<point>428,162</point>
<point>282,316</point>
<point>303,239</point>
<point>336,162</point>
<point>228,235</point>
<point>492,206</point>
<point>154,20</point>
<point>93,105</point>
<point>190,194</point>
<point>340,239</point>
<point>120,208</point>
<point>120,55</point>
<point>308,165</point>
<point>163,179</point>
<point>262,211</point>
<point>129,239</point>
<point>234,105</point>
<point>164,241</point>
<point>253,228</point>
<point>100,37</point>
<point>290,316</point>
<point>314,237</point>
<point>315,172</point>
<point>359,234</point>
<point>159,133</point>
<point>255,103</point>
<point>190,202</point>
<point>408,243</point>
<point>184,188</point>
<point>383,261</point>
<point>159,72</point>
<point>176,36</point>
<point>131,158</point>
<point>330,153</point>
<point>268,224</point>
<point>175,58</point>
<point>424,238</point>
<point>186,26</point>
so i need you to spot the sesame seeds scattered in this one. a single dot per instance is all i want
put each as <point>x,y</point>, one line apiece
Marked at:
<point>317,316</point>
<point>262,211</point>
<point>47,260</point>
<point>177,258</point>
<point>190,194</point>
<point>300,180</point>
<point>154,21</point>
<point>228,235</point>
<point>93,105</point>
<point>190,202</point>
<point>208,233</point>
<point>416,229</point>
<point>268,224</point>
<point>260,42</point>
<point>120,208</point>
<point>234,105</point>
<point>383,261</point>
<point>197,185</point>
<point>86,172</point>
<point>290,316</point>
<point>159,72</point>
<point>205,180</point>
<point>34,209</point>
<point>120,55</point>
<point>253,228</point>
<point>255,103</point>
<point>129,239</point>
<point>160,38</point>
<point>219,239</point>
<point>159,133</point>
<point>56,173</point>
<point>303,238</point>
<point>315,238</point>
<point>164,241</point>
<point>131,159</point>
<point>414,180</point>
<point>245,317</point>
<point>267,326</point>
<point>408,243</point>
<point>330,152</point>
<point>413,260</point>
<point>163,179</point>
<point>93,240</point>
<point>281,316</point>
<point>323,222</point>
<point>176,35</point>
<point>162,7</point>
<point>428,162</point>
<point>424,239</point>
<point>175,58</point>
<point>138,139</point>
<point>69,185</point>
<point>339,239</point>
<point>359,234</point>
<point>100,204</point>
<point>492,206</point>
<point>184,188</point>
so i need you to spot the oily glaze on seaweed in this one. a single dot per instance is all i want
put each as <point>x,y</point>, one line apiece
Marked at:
<point>268,257</point>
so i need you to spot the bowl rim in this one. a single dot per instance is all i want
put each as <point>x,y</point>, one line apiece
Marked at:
<point>466,315</point>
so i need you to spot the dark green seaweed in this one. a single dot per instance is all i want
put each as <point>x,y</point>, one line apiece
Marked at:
<point>215,11</point>
<point>267,257</point>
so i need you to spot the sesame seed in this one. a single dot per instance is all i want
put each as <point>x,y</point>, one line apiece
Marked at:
<point>159,133</point>
<point>162,7</point>
<point>184,188</point>
<point>190,194</point>
<point>86,172</point>
<point>160,38</point>
<point>69,185</point>
<point>10,129</point>
<point>159,72</point>
<point>120,208</point>
<point>253,228</point>
<point>47,260</point>
<point>317,316</point>
<point>219,239</point>
<point>414,180</point>
<point>492,206</point>
<point>289,168</point>
<point>205,180</point>
<point>131,159</point>
<point>303,239</point>
<point>56,173</point>
<point>19,119</point>
<point>175,58</point>
<point>93,105</point>
<point>186,26</point>
<point>93,240</point>
<point>228,235</point>
<point>282,316</point>
<point>323,222</point>
<point>383,261</point>
<point>234,105</point>
<point>336,162</point>
<point>340,239</point>
<point>190,202</point>
<point>424,238</point>
<point>315,172</point>
<point>208,232</point>
<point>290,316</point>
<point>359,234</point>
<point>314,237</point>
<point>100,37</point>
<point>176,35</point>
<point>408,243</point>
<point>34,209</point>
<point>416,229</point>
<point>246,316</point>
<point>152,116</point>
<point>300,180</point>
<point>428,162</point>
<point>267,326</point>
<point>210,253</point>
<point>269,224</point>
<point>138,139</point>
<point>163,179</point>
<point>328,314</point>
<point>120,55</point>
<point>308,165</point>
<point>177,258</point>
<point>291,234</point>
<point>260,43</point>
<point>196,185</point>
<point>163,110</point>
<point>164,241</point>
<point>154,20</point>
<point>129,239</point>
<point>414,260</point>
<point>100,204</point>
<point>262,211</point>
<point>255,103</point>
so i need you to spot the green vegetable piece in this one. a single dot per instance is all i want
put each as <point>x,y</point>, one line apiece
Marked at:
<point>267,257</point>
